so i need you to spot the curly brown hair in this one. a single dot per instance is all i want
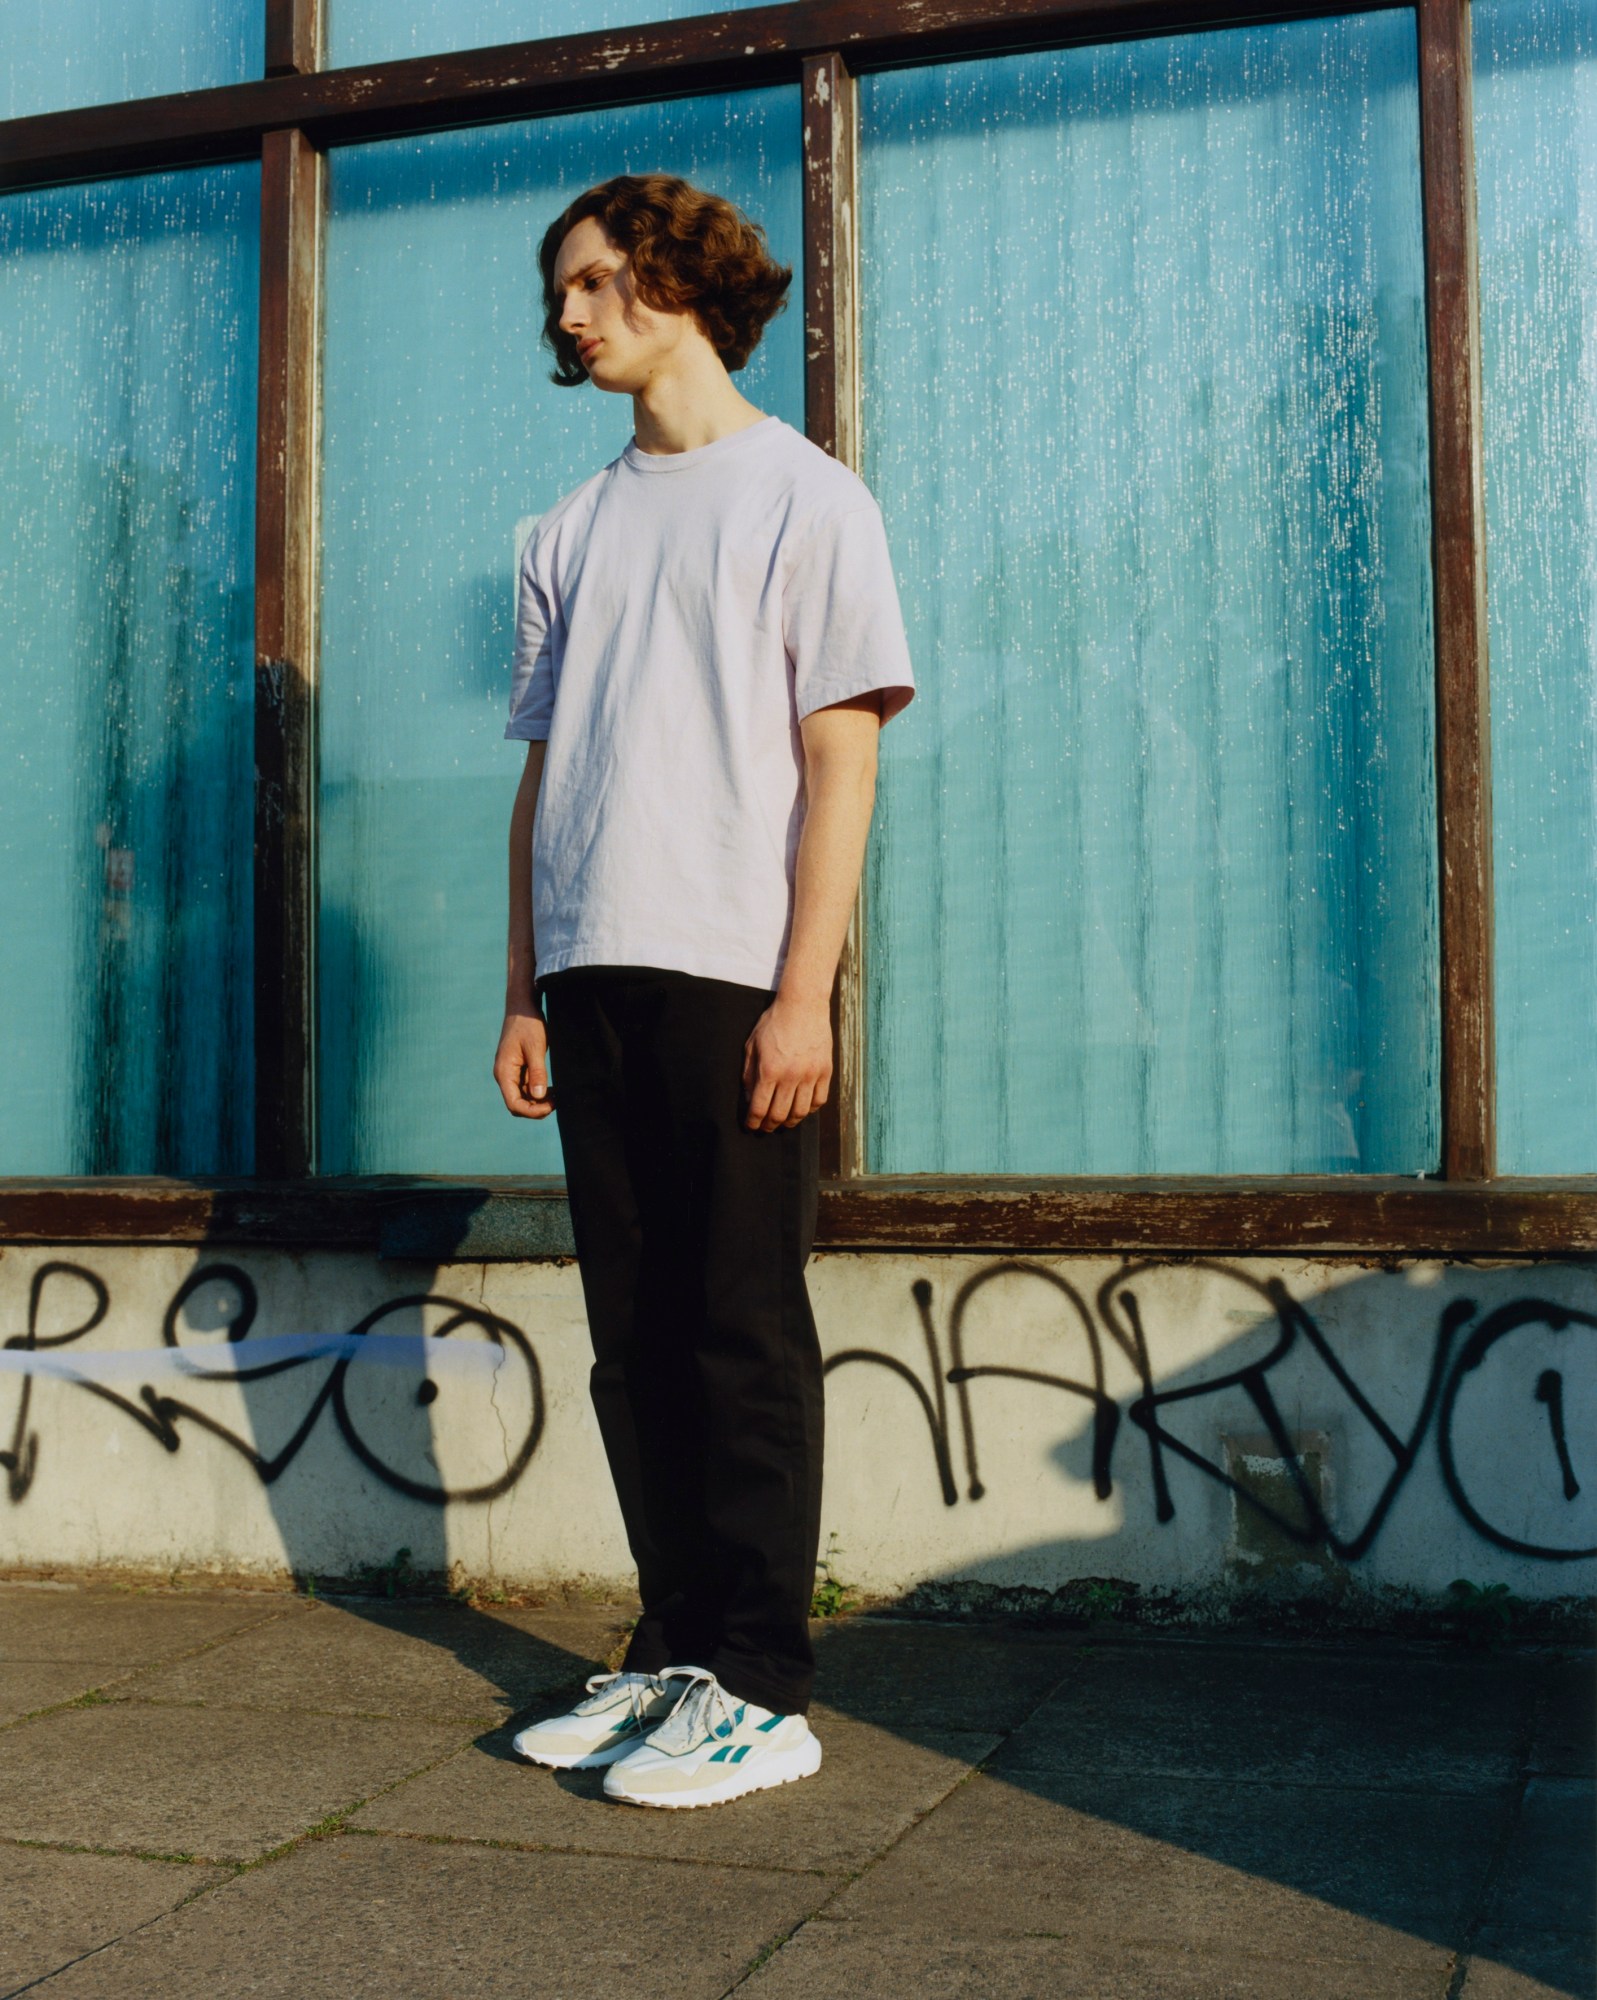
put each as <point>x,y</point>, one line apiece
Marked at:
<point>690,252</point>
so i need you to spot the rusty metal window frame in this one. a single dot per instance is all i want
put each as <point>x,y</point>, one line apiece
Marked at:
<point>288,119</point>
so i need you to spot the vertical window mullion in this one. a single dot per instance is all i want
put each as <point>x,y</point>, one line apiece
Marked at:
<point>1463,744</point>
<point>285,655</point>
<point>831,418</point>
<point>293,37</point>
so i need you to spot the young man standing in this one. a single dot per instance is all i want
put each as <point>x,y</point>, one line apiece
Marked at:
<point>708,642</point>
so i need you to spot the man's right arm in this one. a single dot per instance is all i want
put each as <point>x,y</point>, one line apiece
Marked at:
<point>521,1066</point>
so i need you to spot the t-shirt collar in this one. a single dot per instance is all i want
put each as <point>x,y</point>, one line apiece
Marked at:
<point>680,461</point>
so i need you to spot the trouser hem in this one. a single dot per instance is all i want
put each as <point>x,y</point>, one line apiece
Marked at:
<point>782,1698</point>
<point>646,1659</point>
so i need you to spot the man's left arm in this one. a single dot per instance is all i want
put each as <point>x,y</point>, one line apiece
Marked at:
<point>787,1060</point>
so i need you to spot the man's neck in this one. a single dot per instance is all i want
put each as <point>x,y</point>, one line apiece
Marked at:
<point>675,414</point>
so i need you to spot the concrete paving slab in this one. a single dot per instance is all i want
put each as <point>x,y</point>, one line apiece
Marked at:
<point>1507,1964</point>
<point>940,1676</point>
<point>1204,1710</point>
<point>217,1784</point>
<point>59,1906</point>
<point>823,1959</point>
<point>1181,1819</point>
<point>1275,1871</point>
<point>29,1685</point>
<point>438,1660</point>
<point>872,1785</point>
<point>136,1628</point>
<point>1549,1876</point>
<point>362,1919</point>
<point>1564,1742</point>
<point>588,1629</point>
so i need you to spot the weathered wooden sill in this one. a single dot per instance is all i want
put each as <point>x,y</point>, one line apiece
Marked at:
<point>441,1220</point>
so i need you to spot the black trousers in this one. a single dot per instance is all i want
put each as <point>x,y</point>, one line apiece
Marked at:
<point>692,1233</point>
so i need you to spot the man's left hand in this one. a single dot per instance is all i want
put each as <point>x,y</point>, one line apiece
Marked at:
<point>787,1064</point>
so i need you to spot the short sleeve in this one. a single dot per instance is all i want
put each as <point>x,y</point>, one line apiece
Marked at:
<point>841,617</point>
<point>532,683</point>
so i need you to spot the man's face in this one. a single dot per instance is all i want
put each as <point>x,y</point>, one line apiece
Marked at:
<point>622,342</point>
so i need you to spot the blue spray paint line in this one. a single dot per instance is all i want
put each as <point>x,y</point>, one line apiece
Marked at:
<point>231,1360</point>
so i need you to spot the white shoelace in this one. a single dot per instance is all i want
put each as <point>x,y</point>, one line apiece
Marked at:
<point>701,1708</point>
<point>602,1688</point>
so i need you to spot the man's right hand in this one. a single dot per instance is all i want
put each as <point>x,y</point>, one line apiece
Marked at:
<point>521,1068</point>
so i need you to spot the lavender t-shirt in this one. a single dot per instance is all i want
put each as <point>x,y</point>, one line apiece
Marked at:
<point>678,615</point>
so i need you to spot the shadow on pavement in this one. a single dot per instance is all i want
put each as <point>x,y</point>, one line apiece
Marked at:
<point>1078,1807</point>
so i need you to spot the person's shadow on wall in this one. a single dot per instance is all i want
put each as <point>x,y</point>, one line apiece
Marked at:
<point>433,1404</point>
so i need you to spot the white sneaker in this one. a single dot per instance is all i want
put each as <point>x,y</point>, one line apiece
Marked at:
<point>712,1747</point>
<point>618,1713</point>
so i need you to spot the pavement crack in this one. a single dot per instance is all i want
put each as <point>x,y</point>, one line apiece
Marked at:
<point>85,1697</point>
<point>1508,1826</point>
<point>161,1917</point>
<point>114,1853</point>
<point>336,1821</point>
<point>697,1861</point>
<point>819,1914</point>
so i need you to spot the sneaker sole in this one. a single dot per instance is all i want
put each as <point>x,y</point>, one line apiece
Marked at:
<point>780,1767</point>
<point>592,1760</point>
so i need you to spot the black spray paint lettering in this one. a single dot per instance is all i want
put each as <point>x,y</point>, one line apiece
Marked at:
<point>160,1415</point>
<point>1118,1311</point>
<point>1550,1390</point>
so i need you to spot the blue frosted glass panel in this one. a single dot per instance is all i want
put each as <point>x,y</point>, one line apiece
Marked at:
<point>442,433</point>
<point>127,423</point>
<point>364,31</point>
<point>1536,161</point>
<point>58,54</point>
<point>1153,883</point>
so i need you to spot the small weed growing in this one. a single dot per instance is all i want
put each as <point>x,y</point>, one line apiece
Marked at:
<point>1100,1598</point>
<point>618,1650</point>
<point>832,1597</point>
<point>394,1578</point>
<point>476,1593</point>
<point>1483,1613</point>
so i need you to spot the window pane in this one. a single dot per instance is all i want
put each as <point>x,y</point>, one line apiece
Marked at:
<point>1536,158</point>
<point>58,54</point>
<point>127,415</point>
<point>1153,885</point>
<point>365,31</point>
<point>442,432</point>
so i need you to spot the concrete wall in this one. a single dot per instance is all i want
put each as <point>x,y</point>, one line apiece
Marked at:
<point>1444,1420</point>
